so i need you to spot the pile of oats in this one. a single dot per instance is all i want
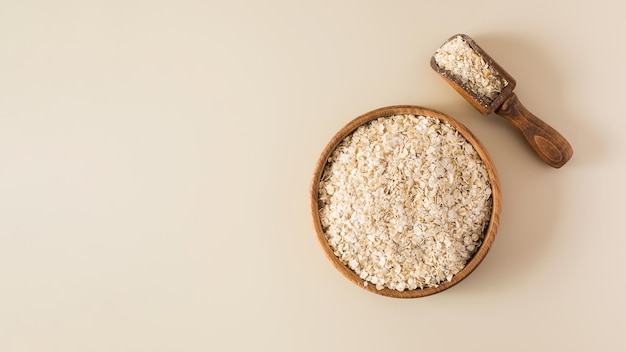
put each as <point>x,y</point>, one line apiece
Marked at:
<point>464,63</point>
<point>404,202</point>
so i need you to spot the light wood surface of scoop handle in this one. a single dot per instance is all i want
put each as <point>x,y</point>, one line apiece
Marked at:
<point>547,143</point>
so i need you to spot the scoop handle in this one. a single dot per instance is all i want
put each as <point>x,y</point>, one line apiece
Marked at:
<point>547,143</point>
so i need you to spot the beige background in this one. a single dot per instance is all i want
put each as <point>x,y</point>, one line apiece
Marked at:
<point>155,159</point>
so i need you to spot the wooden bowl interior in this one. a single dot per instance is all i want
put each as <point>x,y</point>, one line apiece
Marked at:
<point>490,231</point>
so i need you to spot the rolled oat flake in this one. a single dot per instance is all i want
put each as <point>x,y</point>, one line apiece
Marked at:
<point>404,201</point>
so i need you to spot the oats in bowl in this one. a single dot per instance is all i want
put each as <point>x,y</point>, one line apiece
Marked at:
<point>403,202</point>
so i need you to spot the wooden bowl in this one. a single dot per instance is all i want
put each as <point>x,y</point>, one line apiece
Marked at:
<point>490,230</point>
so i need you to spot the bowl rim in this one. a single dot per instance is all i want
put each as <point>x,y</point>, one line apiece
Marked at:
<point>490,231</point>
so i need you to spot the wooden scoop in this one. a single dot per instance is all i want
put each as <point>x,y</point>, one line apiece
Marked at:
<point>547,143</point>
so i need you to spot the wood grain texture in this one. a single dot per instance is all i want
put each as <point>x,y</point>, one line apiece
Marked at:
<point>547,143</point>
<point>490,231</point>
